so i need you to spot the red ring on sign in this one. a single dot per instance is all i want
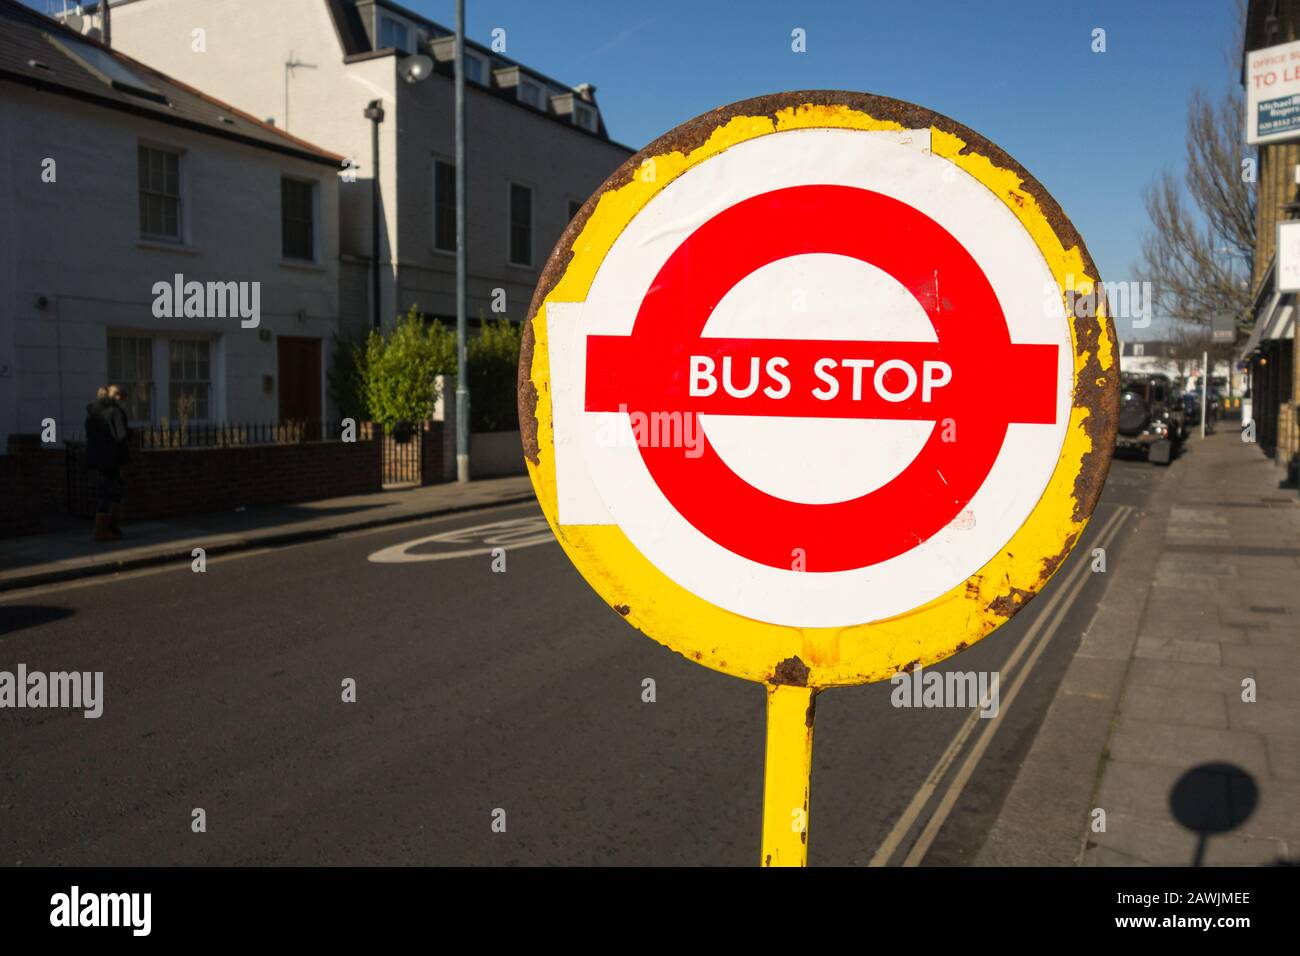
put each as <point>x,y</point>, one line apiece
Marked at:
<point>972,337</point>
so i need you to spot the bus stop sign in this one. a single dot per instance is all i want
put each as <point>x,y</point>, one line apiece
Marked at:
<point>817,388</point>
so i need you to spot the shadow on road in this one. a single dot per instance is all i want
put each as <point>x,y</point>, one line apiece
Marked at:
<point>15,617</point>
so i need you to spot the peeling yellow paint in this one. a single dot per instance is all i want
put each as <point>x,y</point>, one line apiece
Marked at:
<point>747,648</point>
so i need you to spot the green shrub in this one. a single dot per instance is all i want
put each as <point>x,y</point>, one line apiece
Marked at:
<point>400,369</point>
<point>390,379</point>
<point>493,377</point>
<point>347,377</point>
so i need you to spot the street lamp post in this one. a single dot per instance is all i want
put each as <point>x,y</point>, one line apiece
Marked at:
<point>412,69</point>
<point>462,384</point>
<point>374,113</point>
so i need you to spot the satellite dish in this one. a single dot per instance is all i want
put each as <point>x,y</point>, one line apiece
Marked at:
<point>415,68</point>
<point>74,22</point>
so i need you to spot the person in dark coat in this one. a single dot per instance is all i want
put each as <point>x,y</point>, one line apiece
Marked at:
<point>107,450</point>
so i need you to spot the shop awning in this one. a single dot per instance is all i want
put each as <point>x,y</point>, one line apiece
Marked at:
<point>1283,324</point>
<point>1263,320</point>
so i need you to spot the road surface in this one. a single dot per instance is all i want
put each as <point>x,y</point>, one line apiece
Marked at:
<point>477,691</point>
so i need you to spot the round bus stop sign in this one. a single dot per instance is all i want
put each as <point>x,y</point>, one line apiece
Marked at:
<point>816,388</point>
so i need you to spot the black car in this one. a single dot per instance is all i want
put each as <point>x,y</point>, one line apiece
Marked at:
<point>1152,418</point>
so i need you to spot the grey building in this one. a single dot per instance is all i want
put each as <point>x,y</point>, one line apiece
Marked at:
<point>536,148</point>
<point>120,180</point>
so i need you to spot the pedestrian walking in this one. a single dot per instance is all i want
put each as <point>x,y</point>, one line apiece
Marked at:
<point>107,450</point>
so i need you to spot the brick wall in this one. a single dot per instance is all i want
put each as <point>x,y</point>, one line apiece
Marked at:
<point>174,482</point>
<point>32,484</point>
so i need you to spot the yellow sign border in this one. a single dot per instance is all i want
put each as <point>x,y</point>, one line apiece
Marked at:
<point>827,657</point>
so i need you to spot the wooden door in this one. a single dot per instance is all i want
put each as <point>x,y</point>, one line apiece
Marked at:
<point>300,382</point>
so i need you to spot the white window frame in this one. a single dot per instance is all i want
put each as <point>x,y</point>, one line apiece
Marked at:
<point>315,219</point>
<point>160,355</point>
<point>166,340</point>
<point>111,379</point>
<point>183,198</point>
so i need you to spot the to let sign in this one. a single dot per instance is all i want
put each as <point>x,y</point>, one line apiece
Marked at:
<point>1273,93</point>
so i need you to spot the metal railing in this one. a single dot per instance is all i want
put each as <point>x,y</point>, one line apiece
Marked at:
<point>404,454</point>
<point>228,434</point>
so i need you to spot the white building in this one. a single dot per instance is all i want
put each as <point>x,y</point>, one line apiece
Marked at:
<point>119,179</point>
<point>536,149</point>
<point>1183,366</point>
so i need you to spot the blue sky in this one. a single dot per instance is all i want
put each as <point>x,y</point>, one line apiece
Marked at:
<point>1093,128</point>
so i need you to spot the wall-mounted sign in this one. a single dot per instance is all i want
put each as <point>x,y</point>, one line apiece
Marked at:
<point>1273,93</point>
<point>1288,256</point>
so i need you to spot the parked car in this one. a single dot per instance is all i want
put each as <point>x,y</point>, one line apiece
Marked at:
<point>1152,418</point>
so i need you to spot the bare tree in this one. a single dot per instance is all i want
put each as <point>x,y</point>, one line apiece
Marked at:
<point>1197,253</point>
<point>1187,345</point>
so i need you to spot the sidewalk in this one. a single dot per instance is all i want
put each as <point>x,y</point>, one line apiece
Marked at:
<point>69,553</point>
<point>1206,598</point>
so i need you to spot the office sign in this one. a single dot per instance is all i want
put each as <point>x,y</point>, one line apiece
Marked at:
<point>1273,94</point>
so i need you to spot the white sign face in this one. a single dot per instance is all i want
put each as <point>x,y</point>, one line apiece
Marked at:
<point>1273,94</point>
<point>1288,256</point>
<point>870,359</point>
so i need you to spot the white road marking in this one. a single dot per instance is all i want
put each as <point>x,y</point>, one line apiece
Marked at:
<point>183,563</point>
<point>510,534</point>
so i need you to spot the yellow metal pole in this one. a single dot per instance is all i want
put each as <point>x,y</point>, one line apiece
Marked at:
<point>787,774</point>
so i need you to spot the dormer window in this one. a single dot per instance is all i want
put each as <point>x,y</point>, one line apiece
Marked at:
<point>475,68</point>
<point>393,33</point>
<point>530,93</point>
<point>585,117</point>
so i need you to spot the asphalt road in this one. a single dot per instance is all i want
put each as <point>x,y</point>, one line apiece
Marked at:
<point>476,691</point>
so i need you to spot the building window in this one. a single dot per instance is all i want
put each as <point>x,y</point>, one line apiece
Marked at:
<point>190,379</point>
<point>521,225</point>
<point>297,213</point>
<point>585,117</point>
<point>160,193</point>
<point>392,33</point>
<point>474,69</point>
<point>575,205</point>
<point>444,206</point>
<point>530,93</point>
<point>130,368</point>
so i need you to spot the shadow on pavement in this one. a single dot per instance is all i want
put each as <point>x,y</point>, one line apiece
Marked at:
<point>1213,798</point>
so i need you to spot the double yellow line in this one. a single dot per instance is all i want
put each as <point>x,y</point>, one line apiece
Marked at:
<point>1036,639</point>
